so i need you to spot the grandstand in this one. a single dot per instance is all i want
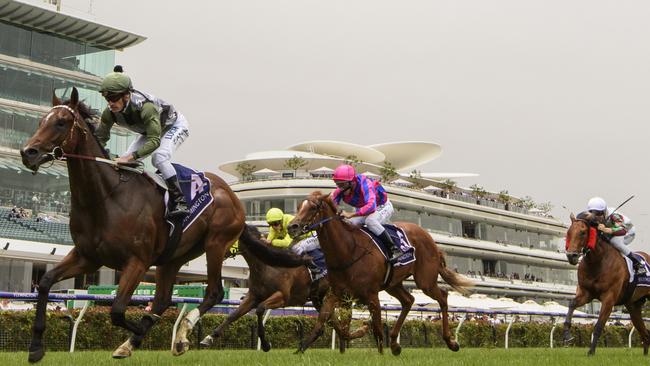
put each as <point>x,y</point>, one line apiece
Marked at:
<point>30,229</point>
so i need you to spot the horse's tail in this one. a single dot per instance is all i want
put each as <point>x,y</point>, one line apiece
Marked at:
<point>272,256</point>
<point>453,279</point>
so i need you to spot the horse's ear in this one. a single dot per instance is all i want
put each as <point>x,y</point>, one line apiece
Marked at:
<point>573,217</point>
<point>55,99</point>
<point>74,97</point>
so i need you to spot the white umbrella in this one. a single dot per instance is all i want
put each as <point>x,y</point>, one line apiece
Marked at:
<point>432,189</point>
<point>323,170</point>
<point>402,182</point>
<point>265,172</point>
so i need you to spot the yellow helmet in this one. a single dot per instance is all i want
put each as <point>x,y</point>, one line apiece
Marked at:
<point>274,214</point>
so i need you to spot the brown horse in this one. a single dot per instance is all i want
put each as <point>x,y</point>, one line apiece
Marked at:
<point>602,275</point>
<point>117,220</point>
<point>276,287</point>
<point>357,268</point>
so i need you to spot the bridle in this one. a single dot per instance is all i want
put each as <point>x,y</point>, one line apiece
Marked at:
<point>313,223</point>
<point>585,248</point>
<point>58,152</point>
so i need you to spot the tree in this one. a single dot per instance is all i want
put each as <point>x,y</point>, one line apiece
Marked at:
<point>478,192</point>
<point>388,172</point>
<point>449,186</point>
<point>527,202</point>
<point>295,163</point>
<point>416,176</point>
<point>504,198</point>
<point>245,170</point>
<point>352,160</point>
<point>545,207</point>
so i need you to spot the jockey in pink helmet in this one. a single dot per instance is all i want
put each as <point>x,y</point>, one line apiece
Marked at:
<point>370,200</point>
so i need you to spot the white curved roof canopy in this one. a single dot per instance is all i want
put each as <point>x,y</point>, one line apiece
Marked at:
<point>408,154</point>
<point>341,149</point>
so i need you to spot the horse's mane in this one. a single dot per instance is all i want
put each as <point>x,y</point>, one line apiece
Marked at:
<point>91,117</point>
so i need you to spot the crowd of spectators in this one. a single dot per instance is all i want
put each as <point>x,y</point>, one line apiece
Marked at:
<point>528,277</point>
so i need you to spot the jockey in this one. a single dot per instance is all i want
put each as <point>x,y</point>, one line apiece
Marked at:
<point>618,228</point>
<point>370,200</point>
<point>279,236</point>
<point>161,127</point>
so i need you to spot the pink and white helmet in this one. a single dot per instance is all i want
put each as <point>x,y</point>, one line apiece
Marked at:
<point>344,172</point>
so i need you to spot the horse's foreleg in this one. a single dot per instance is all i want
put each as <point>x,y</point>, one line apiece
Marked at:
<point>244,307</point>
<point>73,264</point>
<point>406,300</point>
<point>637,320</point>
<point>165,278</point>
<point>375,314</point>
<point>325,313</point>
<point>132,274</point>
<point>276,300</point>
<point>582,297</point>
<point>214,293</point>
<point>605,311</point>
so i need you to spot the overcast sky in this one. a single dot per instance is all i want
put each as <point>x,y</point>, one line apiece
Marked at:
<point>546,98</point>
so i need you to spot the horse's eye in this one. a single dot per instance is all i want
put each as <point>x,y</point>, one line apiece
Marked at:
<point>60,124</point>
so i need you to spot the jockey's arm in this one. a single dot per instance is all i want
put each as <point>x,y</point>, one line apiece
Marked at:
<point>371,200</point>
<point>103,131</point>
<point>151,120</point>
<point>276,241</point>
<point>617,225</point>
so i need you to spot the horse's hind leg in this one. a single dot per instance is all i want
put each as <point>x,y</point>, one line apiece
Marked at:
<point>244,307</point>
<point>637,320</point>
<point>440,295</point>
<point>325,313</point>
<point>73,264</point>
<point>276,300</point>
<point>406,300</point>
<point>165,278</point>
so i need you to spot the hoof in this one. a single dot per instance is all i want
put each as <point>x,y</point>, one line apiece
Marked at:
<point>397,349</point>
<point>37,355</point>
<point>180,348</point>
<point>591,353</point>
<point>266,346</point>
<point>124,350</point>
<point>207,341</point>
<point>454,346</point>
<point>299,351</point>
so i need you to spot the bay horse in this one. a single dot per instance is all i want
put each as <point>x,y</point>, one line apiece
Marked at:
<point>272,287</point>
<point>117,221</point>
<point>357,268</point>
<point>602,275</point>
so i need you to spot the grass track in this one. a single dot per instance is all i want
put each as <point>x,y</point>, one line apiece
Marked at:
<point>417,356</point>
<point>409,357</point>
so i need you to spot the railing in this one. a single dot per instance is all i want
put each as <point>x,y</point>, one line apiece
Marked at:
<point>29,296</point>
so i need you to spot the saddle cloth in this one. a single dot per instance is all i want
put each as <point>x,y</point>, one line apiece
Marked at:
<point>400,239</point>
<point>195,187</point>
<point>635,280</point>
<point>319,260</point>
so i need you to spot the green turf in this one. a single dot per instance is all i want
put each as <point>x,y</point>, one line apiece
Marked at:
<point>409,357</point>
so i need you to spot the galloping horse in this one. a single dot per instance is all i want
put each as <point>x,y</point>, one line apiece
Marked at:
<point>117,220</point>
<point>272,287</point>
<point>358,268</point>
<point>602,275</point>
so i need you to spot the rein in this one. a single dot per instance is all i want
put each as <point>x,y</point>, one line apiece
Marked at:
<point>59,154</point>
<point>307,228</point>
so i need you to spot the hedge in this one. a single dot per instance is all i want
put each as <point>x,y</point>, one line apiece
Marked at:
<point>97,333</point>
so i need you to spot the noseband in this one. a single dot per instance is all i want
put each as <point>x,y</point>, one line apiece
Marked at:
<point>585,247</point>
<point>312,223</point>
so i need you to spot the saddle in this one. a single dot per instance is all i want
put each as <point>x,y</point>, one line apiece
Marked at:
<point>401,241</point>
<point>636,280</point>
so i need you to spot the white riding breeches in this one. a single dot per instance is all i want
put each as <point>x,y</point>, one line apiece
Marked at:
<point>618,242</point>
<point>374,221</point>
<point>169,143</point>
<point>629,237</point>
<point>306,245</point>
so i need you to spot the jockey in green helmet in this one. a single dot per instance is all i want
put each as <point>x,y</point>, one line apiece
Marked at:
<point>161,127</point>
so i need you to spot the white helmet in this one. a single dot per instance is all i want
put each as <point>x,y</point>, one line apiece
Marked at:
<point>596,204</point>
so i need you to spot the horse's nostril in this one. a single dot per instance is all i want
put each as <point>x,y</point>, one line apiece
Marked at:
<point>31,152</point>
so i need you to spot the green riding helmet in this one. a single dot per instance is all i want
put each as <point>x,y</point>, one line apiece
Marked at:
<point>274,214</point>
<point>116,83</point>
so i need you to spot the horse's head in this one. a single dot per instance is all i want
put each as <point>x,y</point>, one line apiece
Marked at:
<point>581,236</point>
<point>55,134</point>
<point>314,211</point>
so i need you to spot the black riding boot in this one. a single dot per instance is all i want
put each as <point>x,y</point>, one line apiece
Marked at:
<point>177,205</point>
<point>639,269</point>
<point>314,268</point>
<point>388,242</point>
